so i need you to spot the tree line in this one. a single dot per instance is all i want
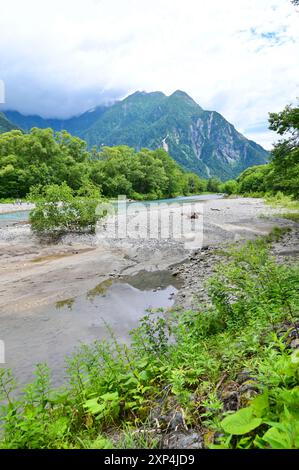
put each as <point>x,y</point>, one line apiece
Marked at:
<point>44,157</point>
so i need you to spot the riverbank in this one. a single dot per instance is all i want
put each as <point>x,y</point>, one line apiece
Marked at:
<point>200,266</point>
<point>55,295</point>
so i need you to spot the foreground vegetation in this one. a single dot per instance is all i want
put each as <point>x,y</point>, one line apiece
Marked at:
<point>229,370</point>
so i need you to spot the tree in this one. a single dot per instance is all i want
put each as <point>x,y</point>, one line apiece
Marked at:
<point>147,174</point>
<point>41,157</point>
<point>214,185</point>
<point>194,184</point>
<point>284,175</point>
<point>254,179</point>
<point>230,187</point>
<point>44,157</point>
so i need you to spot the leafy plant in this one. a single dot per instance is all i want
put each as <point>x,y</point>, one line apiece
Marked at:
<point>241,422</point>
<point>58,210</point>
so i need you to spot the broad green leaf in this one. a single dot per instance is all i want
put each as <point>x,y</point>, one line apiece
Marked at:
<point>277,439</point>
<point>58,427</point>
<point>241,422</point>
<point>295,357</point>
<point>112,396</point>
<point>143,375</point>
<point>93,406</point>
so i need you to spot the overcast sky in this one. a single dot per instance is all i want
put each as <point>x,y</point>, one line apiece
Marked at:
<point>239,57</point>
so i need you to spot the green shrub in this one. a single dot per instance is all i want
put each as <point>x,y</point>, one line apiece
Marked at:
<point>230,187</point>
<point>58,210</point>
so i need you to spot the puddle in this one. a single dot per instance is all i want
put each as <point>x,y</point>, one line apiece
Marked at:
<point>146,280</point>
<point>48,334</point>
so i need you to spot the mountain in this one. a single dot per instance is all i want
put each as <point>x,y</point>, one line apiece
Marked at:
<point>200,141</point>
<point>5,124</point>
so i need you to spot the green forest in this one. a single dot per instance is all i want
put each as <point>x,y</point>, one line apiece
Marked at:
<point>44,157</point>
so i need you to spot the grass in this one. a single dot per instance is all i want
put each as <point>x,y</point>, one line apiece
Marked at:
<point>280,200</point>
<point>11,201</point>
<point>233,355</point>
<point>276,234</point>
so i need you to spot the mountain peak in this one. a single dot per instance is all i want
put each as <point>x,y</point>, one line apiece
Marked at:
<point>140,94</point>
<point>182,95</point>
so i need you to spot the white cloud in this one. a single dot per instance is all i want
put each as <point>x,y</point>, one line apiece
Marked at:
<point>61,57</point>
